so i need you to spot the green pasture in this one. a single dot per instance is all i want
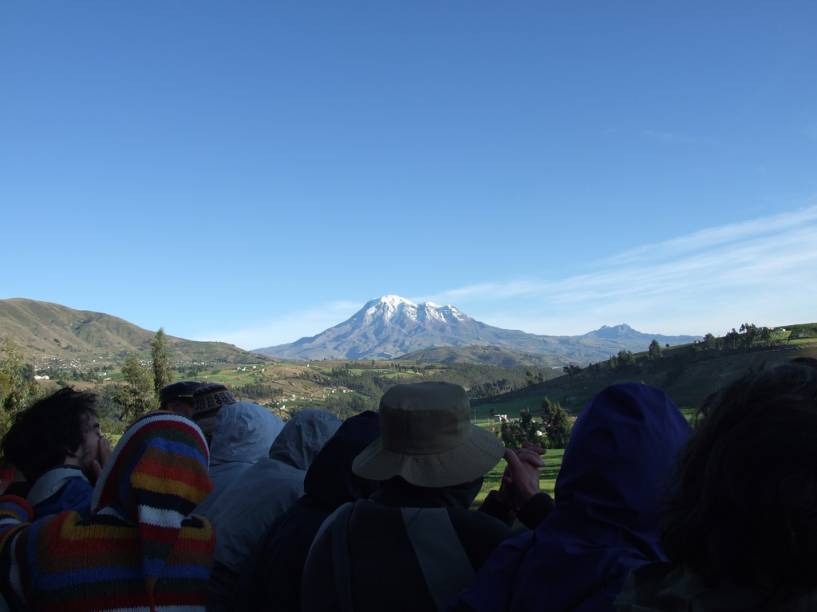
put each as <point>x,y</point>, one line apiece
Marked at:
<point>547,476</point>
<point>232,376</point>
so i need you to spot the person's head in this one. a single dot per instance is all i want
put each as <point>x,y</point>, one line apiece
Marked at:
<point>208,399</point>
<point>330,478</point>
<point>61,429</point>
<point>427,439</point>
<point>178,397</point>
<point>154,479</point>
<point>619,461</point>
<point>745,508</point>
<point>303,437</point>
<point>244,433</point>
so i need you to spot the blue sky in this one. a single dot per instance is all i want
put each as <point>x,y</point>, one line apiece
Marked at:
<point>255,171</point>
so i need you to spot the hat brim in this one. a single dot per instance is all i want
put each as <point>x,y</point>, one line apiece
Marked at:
<point>478,454</point>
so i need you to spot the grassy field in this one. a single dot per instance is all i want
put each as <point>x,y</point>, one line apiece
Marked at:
<point>553,463</point>
<point>547,478</point>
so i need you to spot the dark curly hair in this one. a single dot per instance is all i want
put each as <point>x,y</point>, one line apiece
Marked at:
<point>745,505</point>
<point>44,433</point>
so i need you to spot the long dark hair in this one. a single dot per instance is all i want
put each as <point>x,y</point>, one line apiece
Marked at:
<point>745,505</point>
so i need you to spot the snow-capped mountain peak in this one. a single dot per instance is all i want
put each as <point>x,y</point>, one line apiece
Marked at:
<point>387,308</point>
<point>393,301</point>
<point>395,308</point>
<point>390,326</point>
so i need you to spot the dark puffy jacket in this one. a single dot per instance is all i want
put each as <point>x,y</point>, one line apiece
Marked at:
<point>385,572</point>
<point>329,484</point>
<point>248,507</point>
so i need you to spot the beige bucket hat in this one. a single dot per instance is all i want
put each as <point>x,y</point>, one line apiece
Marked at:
<point>427,439</point>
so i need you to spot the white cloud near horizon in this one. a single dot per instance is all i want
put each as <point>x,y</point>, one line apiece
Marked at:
<point>762,270</point>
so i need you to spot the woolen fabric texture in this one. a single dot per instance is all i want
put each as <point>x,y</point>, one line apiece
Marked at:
<point>139,550</point>
<point>183,389</point>
<point>605,521</point>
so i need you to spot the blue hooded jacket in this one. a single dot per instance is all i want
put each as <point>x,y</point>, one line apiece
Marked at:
<point>604,523</point>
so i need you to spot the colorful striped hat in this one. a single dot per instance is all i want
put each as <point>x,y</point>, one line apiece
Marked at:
<point>156,476</point>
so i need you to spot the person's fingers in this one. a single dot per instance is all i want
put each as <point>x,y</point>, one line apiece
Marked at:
<point>531,458</point>
<point>514,463</point>
<point>96,470</point>
<point>539,450</point>
<point>103,451</point>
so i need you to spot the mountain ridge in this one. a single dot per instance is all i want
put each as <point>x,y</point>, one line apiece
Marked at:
<point>392,326</point>
<point>46,331</point>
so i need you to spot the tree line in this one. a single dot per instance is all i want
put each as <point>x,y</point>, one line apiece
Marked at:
<point>548,427</point>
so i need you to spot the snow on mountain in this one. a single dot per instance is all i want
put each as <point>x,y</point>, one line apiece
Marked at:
<point>391,326</point>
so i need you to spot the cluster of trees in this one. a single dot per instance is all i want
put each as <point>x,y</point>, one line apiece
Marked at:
<point>534,377</point>
<point>572,369</point>
<point>548,427</point>
<point>345,405</point>
<point>480,380</point>
<point>259,391</point>
<point>491,388</point>
<point>749,335</point>
<point>17,385</point>
<point>143,380</point>
<point>746,337</point>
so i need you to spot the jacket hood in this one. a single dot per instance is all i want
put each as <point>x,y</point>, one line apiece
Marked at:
<point>244,433</point>
<point>605,521</point>
<point>330,479</point>
<point>303,437</point>
<point>619,460</point>
<point>155,477</point>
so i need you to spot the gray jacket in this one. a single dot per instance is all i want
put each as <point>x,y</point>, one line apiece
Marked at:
<point>247,507</point>
<point>243,436</point>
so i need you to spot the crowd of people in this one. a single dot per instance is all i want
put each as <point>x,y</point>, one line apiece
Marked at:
<point>210,503</point>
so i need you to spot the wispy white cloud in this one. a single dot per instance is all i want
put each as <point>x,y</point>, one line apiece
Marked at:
<point>762,270</point>
<point>703,281</point>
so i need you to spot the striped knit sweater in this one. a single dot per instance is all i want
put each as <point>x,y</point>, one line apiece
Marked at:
<point>139,550</point>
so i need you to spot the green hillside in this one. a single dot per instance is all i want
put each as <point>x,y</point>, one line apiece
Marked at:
<point>47,333</point>
<point>484,355</point>
<point>686,374</point>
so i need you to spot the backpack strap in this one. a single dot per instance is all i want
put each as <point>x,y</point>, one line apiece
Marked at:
<point>341,557</point>
<point>445,565</point>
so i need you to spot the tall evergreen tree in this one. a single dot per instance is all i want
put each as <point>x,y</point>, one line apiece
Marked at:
<point>136,397</point>
<point>556,424</point>
<point>162,374</point>
<point>654,350</point>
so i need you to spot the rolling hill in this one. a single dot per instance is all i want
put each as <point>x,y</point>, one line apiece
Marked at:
<point>50,332</point>
<point>482,355</point>
<point>688,376</point>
